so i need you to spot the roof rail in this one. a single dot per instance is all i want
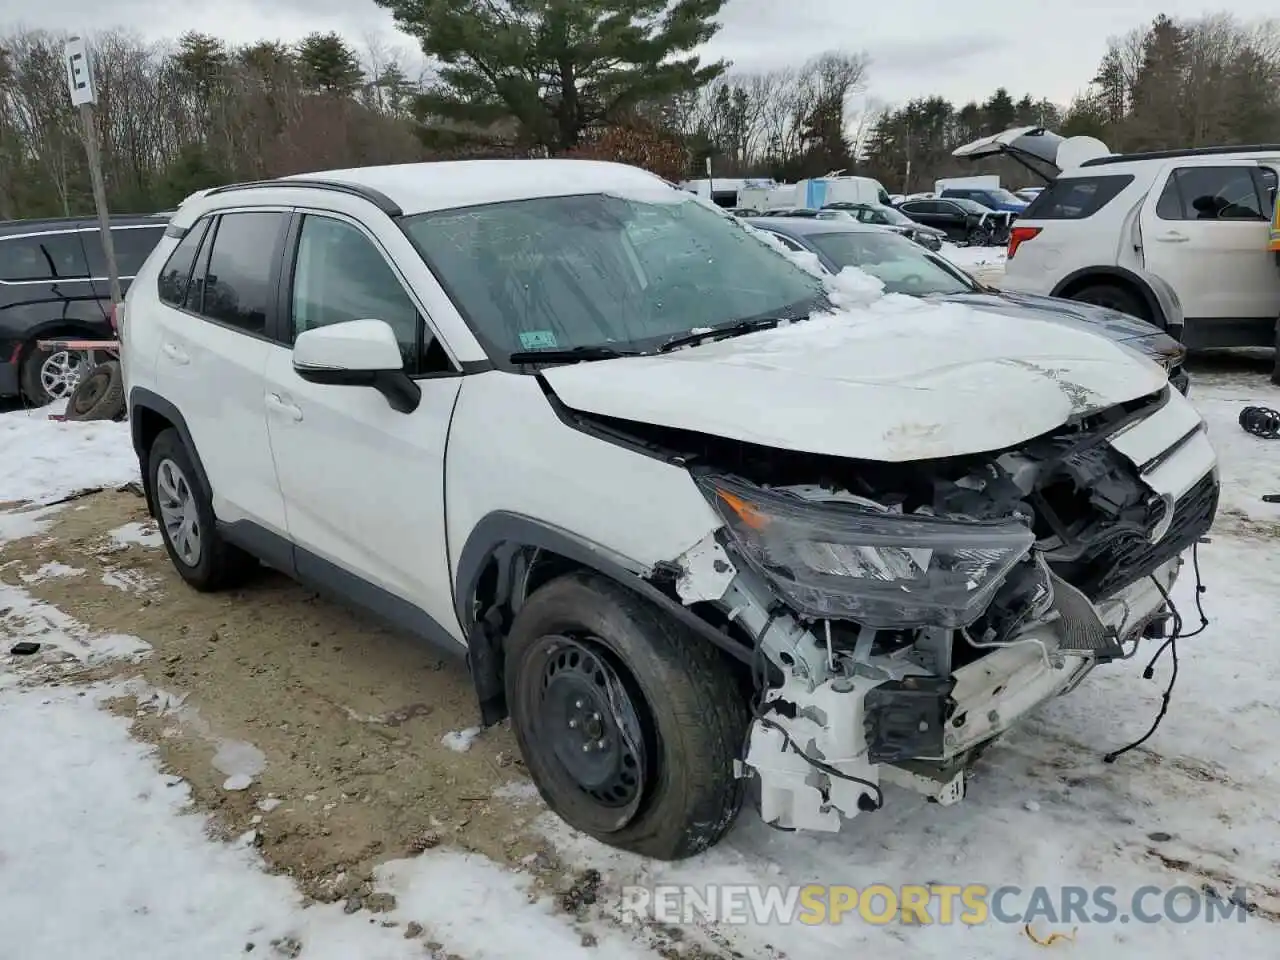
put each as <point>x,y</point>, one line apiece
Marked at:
<point>376,197</point>
<point>1185,152</point>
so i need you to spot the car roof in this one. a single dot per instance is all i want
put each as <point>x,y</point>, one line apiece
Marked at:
<point>805,226</point>
<point>442,185</point>
<point>11,228</point>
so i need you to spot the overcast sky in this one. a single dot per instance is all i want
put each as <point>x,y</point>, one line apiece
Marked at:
<point>918,47</point>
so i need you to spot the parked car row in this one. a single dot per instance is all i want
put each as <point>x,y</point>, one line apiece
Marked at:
<point>689,526</point>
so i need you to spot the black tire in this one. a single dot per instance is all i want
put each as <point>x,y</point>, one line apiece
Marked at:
<point>217,564</point>
<point>690,713</point>
<point>99,395</point>
<point>31,361</point>
<point>1114,297</point>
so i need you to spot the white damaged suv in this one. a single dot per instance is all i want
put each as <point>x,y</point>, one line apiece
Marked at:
<point>699,522</point>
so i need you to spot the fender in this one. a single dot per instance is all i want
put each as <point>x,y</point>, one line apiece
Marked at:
<point>1159,316</point>
<point>502,537</point>
<point>140,398</point>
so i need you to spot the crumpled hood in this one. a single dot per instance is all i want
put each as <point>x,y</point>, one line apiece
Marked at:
<point>899,380</point>
<point>1085,316</point>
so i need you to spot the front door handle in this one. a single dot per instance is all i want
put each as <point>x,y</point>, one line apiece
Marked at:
<point>176,354</point>
<point>290,410</point>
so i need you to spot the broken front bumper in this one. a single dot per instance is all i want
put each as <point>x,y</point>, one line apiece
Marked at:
<point>935,730</point>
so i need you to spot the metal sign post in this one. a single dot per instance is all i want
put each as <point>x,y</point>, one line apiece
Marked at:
<point>80,82</point>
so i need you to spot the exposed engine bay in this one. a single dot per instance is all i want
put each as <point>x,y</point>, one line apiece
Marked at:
<point>902,616</point>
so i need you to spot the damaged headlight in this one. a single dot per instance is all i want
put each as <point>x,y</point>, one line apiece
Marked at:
<point>834,559</point>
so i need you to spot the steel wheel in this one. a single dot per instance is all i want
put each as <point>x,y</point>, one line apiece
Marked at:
<point>591,724</point>
<point>178,513</point>
<point>61,372</point>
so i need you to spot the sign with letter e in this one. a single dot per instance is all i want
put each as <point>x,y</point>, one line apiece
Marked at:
<point>79,71</point>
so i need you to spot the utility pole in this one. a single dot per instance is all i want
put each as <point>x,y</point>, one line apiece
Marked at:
<point>80,83</point>
<point>711,184</point>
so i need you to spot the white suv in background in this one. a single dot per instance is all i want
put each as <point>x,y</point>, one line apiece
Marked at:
<point>688,524</point>
<point>1176,237</point>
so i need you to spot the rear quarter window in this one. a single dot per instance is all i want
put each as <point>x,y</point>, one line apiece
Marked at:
<point>1075,198</point>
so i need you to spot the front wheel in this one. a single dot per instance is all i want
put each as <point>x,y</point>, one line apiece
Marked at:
<point>628,724</point>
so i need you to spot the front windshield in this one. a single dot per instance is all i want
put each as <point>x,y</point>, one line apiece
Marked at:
<point>1001,195</point>
<point>885,215</point>
<point>600,270</point>
<point>903,266</point>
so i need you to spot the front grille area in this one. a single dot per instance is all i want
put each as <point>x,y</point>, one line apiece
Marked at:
<point>1126,560</point>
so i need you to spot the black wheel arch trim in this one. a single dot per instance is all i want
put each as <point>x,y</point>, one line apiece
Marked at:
<point>1104,273</point>
<point>500,536</point>
<point>140,398</point>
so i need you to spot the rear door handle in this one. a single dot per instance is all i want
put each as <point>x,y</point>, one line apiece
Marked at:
<point>1173,237</point>
<point>176,354</point>
<point>290,410</point>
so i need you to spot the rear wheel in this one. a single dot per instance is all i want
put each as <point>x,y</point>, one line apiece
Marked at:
<point>187,525</point>
<point>1114,297</point>
<point>629,725</point>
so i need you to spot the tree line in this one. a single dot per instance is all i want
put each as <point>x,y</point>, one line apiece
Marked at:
<point>612,79</point>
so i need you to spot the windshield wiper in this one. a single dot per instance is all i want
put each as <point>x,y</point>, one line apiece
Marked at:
<point>722,332</point>
<point>569,355</point>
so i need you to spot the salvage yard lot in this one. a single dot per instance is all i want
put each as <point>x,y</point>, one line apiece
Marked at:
<point>165,751</point>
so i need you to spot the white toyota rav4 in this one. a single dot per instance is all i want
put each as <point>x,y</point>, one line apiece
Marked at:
<point>697,520</point>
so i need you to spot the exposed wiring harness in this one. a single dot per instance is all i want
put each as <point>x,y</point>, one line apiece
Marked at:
<point>1261,422</point>
<point>1170,644</point>
<point>760,680</point>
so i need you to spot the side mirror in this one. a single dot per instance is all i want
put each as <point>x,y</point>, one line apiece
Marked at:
<point>357,353</point>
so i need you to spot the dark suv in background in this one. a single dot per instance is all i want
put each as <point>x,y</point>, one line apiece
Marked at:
<point>53,284</point>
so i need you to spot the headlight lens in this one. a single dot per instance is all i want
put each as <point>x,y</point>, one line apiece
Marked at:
<point>859,561</point>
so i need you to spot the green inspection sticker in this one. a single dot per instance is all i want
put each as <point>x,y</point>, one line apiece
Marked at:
<point>537,339</point>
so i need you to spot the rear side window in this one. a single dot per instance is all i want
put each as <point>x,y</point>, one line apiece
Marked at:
<point>1211,193</point>
<point>52,256</point>
<point>1075,198</point>
<point>175,277</point>
<point>238,271</point>
<point>132,245</point>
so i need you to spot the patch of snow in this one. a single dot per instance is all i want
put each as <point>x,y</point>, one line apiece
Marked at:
<point>86,819</point>
<point>460,740</point>
<point>50,570</point>
<point>240,761</point>
<point>46,460</point>
<point>483,912</point>
<point>128,581</point>
<point>517,791</point>
<point>26,618</point>
<point>267,804</point>
<point>22,523</point>
<point>145,534</point>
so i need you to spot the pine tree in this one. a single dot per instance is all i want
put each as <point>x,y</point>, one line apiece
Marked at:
<point>558,67</point>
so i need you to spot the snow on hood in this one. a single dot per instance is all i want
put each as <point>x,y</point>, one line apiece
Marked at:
<point>888,378</point>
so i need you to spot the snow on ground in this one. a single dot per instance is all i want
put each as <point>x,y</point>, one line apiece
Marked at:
<point>47,460</point>
<point>92,830</point>
<point>142,534</point>
<point>984,263</point>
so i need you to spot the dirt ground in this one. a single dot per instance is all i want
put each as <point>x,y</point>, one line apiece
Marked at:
<point>349,717</point>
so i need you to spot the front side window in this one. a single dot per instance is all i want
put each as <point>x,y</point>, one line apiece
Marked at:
<point>175,276</point>
<point>51,256</point>
<point>339,275</point>
<point>603,270</point>
<point>901,265</point>
<point>1211,193</point>
<point>236,282</point>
